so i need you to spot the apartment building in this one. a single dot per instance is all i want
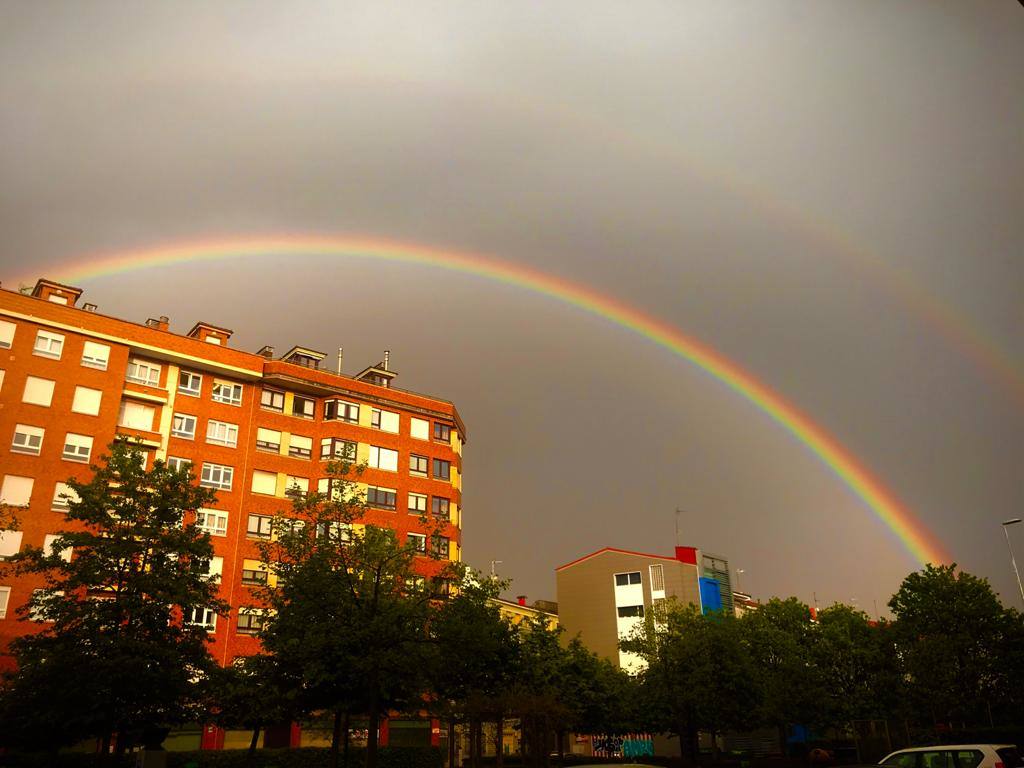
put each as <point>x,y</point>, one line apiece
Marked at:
<point>604,596</point>
<point>254,427</point>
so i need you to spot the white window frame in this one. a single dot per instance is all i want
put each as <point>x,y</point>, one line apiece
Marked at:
<point>81,442</point>
<point>296,486</point>
<point>384,459</point>
<point>143,372</point>
<point>38,381</point>
<point>418,540</point>
<point>233,396</point>
<point>209,470</point>
<point>264,477</point>
<point>93,358</point>
<point>264,444</point>
<point>86,408</point>
<point>384,420</point>
<point>5,601</point>
<point>63,495</point>
<point>7,330</point>
<point>208,616</point>
<point>7,487</point>
<point>418,497</point>
<point>195,380</point>
<point>419,429</point>
<point>129,409</point>
<point>222,433</point>
<point>48,344</point>
<point>304,414</point>
<point>184,434</point>
<point>10,543</point>
<point>343,411</point>
<point>300,447</point>
<point>63,554</point>
<point>31,442</point>
<point>177,463</point>
<point>213,521</point>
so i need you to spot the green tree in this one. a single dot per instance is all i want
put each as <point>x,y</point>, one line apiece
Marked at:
<point>698,674</point>
<point>858,665</point>
<point>349,615</point>
<point>475,656</point>
<point>949,626</point>
<point>782,640</point>
<point>114,654</point>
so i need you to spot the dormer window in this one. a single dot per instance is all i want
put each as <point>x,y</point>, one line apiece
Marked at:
<point>307,358</point>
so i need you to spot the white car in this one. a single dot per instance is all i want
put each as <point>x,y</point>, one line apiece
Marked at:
<point>956,756</point>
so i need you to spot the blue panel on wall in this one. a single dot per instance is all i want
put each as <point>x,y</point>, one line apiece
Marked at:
<point>710,595</point>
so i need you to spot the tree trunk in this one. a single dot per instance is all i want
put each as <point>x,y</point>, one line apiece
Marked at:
<point>560,735</point>
<point>374,727</point>
<point>103,753</point>
<point>250,758</point>
<point>715,751</point>
<point>336,739</point>
<point>499,741</point>
<point>121,744</point>
<point>451,743</point>
<point>345,735</point>
<point>475,742</point>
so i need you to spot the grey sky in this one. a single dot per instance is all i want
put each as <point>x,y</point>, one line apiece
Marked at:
<point>754,174</point>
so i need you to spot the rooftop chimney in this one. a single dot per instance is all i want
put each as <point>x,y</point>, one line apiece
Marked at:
<point>160,323</point>
<point>521,599</point>
<point>89,307</point>
<point>267,352</point>
<point>387,358</point>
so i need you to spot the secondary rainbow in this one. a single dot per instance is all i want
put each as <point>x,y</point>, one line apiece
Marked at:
<point>915,538</point>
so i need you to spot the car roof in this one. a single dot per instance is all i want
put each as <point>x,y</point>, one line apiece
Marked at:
<point>952,746</point>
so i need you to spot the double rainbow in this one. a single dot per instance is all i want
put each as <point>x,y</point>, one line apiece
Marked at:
<point>917,540</point>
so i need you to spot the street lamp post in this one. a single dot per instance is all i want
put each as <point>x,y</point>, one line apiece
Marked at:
<point>1013,561</point>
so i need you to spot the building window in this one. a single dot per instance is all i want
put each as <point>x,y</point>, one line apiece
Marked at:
<point>226,392</point>
<point>268,440</point>
<point>339,410</point>
<point>16,491</point>
<point>63,496</point>
<point>300,447</point>
<point>213,521</point>
<point>136,416</point>
<point>296,487</point>
<point>222,433</point>
<point>417,540</point>
<point>622,579</point>
<point>10,543</point>
<point>442,469</point>
<point>439,546</point>
<point>38,391</point>
<point>217,476</point>
<point>87,401</point>
<point>440,507</point>
<point>264,482</point>
<point>335,449</point>
<point>48,549</point>
<point>303,407</point>
<point>419,429</point>
<point>190,384</point>
<point>177,463</point>
<point>417,504</point>
<point>48,345</point>
<point>383,458</point>
<point>95,355</point>
<point>385,421</point>
<point>250,621</point>
<point>142,372</point>
<point>418,465</point>
<point>382,498</point>
<point>442,432</point>
<point>254,577</point>
<point>259,527</point>
<point>27,439</point>
<point>183,425</point>
<point>272,400</point>
<point>337,532</point>
<point>331,487</point>
<point>631,610</point>
<point>77,447</point>
<point>6,334</point>
<point>200,617</point>
<point>5,597</point>
<point>657,578</point>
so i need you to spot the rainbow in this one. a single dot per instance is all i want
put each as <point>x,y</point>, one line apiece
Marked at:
<point>917,540</point>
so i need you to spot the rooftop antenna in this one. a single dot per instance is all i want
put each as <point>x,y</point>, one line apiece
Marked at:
<point>341,356</point>
<point>494,563</point>
<point>387,358</point>
<point>678,512</point>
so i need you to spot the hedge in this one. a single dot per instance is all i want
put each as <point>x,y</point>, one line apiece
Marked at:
<point>302,757</point>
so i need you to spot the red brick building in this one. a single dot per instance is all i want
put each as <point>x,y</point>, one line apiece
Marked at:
<point>252,426</point>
